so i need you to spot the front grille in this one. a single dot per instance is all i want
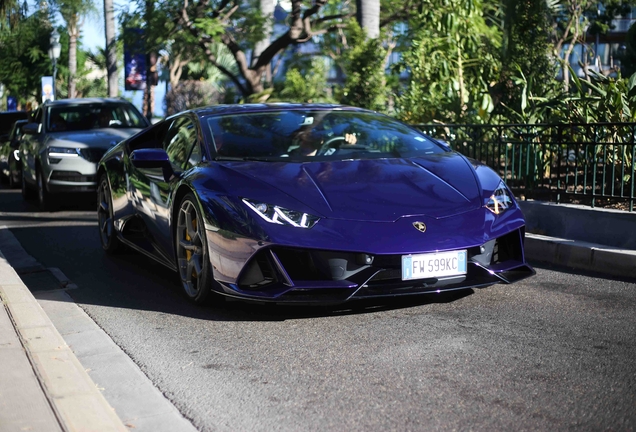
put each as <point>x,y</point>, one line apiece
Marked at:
<point>72,176</point>
<point>307,267</point>
<point>92,154</point>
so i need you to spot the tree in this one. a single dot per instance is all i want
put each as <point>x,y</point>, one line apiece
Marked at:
<point>267,11</point>
<point>111,49</point>
<point>452,61</point>
<point>368,16</point>
<point>363,64</point>
<point>73,12</point>
<point>11,12</point>
<point>306,83</point>
<point>24,58</point>
<point>236,25</point>
<point>528,62</point>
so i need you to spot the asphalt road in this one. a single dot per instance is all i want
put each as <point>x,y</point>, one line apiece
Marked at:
<point>554,352</point>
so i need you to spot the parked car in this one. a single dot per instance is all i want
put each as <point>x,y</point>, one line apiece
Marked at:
<point>7,119</point>
<point>61,147</point>
<point>10,165</point>
<point>308,203</point>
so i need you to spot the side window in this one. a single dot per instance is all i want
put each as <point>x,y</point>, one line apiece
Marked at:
<point>150,138</point>
<point>181,143</point>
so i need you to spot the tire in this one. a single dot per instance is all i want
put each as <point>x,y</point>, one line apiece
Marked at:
<point>192,253</point>
<point>45,200</point>
<point>13,165</point>
<point>27,193</point>
<point>12,182</point>
<point>107,235</point>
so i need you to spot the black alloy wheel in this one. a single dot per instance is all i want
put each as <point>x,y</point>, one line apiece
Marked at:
<point>192,251</point>
<point>107,236</point>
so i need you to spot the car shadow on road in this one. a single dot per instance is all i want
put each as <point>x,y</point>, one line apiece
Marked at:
<point>131,280</point>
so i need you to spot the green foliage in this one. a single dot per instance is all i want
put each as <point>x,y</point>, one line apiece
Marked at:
<point>628,57</point>
<point>452,61</point>
<point>306,84</point>
<point>601,99</point>
<point>191,94</point>
<point>601,17</point>
<point>24,59</point>
<point>200,69</point>
<point>528,66</point>
<point>363,65</point>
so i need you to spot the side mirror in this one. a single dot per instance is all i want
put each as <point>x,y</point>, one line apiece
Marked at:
<point>31,128</point>
<point>149,158</point>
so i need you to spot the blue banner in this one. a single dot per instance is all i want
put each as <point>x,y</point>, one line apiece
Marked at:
<point>134,59</point>
<point>12,103</point>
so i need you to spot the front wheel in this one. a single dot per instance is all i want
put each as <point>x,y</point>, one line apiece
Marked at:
<point>45,199</point>
<point>107,236</point>
<point>192,252</point>
<point>26,191</point>
<point>12,183</point>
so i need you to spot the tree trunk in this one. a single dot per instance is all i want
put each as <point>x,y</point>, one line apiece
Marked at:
<point>368,16</point>
<point>267,10</point>
<point>460,77</point>
<point>111,53</point>
<point>150,88</point>
<point>72,61</point>
<point>149,102</point>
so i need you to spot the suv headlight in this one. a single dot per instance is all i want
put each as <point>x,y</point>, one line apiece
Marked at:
<point>280,215</point>
<point>501,200</point>
<point>59,152</point>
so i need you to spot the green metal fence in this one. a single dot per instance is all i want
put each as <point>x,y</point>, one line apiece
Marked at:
<point>590,164</point>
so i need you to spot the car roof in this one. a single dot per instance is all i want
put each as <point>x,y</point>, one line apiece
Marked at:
<point>246,108</point>
<point>84,101</point>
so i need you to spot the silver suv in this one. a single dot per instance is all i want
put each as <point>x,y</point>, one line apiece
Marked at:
<point>66,139</point>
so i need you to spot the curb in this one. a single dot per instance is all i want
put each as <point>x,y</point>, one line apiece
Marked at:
<point>73,396</point>
<point>607,260</point>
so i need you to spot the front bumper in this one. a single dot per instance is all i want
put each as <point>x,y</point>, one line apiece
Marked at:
<point>301,275</point>
<point>75,174</point>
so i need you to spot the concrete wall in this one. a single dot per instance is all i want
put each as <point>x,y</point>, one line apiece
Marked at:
<point>595,225</point>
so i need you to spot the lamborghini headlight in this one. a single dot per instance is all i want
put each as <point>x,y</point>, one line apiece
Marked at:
<point>501,200</point>
<point>280,215</point>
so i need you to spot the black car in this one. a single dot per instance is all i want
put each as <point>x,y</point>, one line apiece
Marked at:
<point>7,119</point>
<point>10,166</point>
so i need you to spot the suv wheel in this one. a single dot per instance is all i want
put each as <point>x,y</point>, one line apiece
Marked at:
<point>27,193</point>
<point>44,196</point>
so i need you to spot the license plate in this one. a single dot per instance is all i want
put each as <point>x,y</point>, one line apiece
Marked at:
<point>433,265</point>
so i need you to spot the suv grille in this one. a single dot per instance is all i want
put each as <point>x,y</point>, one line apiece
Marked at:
<point>92,154</point>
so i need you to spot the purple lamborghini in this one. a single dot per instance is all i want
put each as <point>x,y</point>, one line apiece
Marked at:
<point>309,203</point>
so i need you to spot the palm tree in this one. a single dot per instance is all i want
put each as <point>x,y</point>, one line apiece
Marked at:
<point>368,16</point>
<point>11,11</point>
<point>73,12</point>
<point>111,65</point>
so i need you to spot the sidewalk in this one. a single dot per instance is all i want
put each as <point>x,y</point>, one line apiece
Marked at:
<point>44,387</point>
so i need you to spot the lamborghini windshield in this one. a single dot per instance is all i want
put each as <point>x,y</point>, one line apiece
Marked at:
<point>325,134</point>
